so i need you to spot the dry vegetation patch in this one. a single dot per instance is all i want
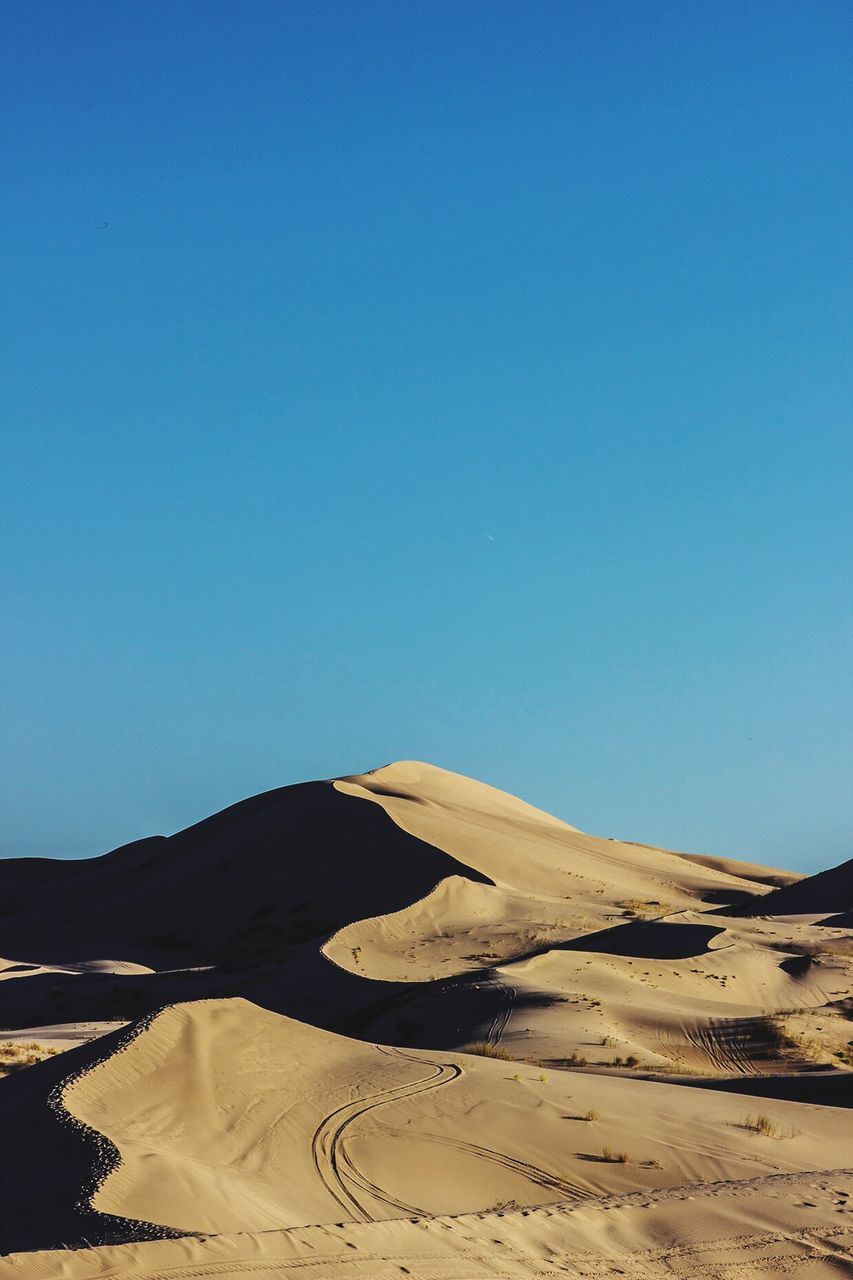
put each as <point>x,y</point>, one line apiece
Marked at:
<point>765,1126</point>
<point>648,909</point>
<point>16,1054</point>
<point>486,1050</point>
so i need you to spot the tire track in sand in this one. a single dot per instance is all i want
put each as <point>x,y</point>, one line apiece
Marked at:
<point>721,1046</point>
<point>343,1179</point>
<point>335,1168</point>
<point>540,1177</point>
<point>502,1016</point>
<point>741,1045</point>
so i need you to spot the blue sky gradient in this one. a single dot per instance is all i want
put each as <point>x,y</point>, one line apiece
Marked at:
<point>461,381</point>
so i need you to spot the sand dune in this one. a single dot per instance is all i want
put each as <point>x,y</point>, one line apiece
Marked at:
<point>219,1117</point>
<point>268,872</point>
<point>772,876</point>
<point>829,894</point>
<point>485,830</point>
<point>403,1023</point>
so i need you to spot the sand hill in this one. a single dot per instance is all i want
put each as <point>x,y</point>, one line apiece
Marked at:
<point>829,895</point>
<point>402,1023</point>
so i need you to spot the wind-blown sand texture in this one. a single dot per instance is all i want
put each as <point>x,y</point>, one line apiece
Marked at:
<point>404,1024</point>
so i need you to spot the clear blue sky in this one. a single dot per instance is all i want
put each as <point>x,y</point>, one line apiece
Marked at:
<point>462,381</point>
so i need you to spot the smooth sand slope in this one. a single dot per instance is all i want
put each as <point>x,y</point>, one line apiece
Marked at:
<point>222,1118</point>
<point>402,1023</point>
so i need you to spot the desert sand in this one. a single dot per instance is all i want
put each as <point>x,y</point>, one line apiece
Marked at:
<point>402,1023</point>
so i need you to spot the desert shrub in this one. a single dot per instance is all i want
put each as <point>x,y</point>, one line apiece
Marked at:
<point>486,1050</point>
<point>760,1124</point>
<point>648,908</point>
<point>787,1040</point>
<point>766,1127</point>
<point>592,1115</point>
<point>15,1055</point>
<point>614,1157</point>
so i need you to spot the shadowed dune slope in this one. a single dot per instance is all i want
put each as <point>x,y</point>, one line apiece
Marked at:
<point>45,1188</point>
<point>275,870</point>
<point>650,939</point>
<point>829,891</point>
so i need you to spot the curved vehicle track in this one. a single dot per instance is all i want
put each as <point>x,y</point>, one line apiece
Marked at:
<point>334,1166</point>
<point>348,1186</point>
